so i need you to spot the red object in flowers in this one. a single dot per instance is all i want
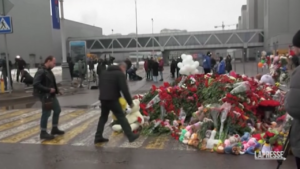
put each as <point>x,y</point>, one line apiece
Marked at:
<point>139,120</point>
<point>269,103</point>
<point>269,134</point>
<point>257,136</point>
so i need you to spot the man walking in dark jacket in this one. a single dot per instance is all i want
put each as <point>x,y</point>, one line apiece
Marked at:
<point>20,65</point>
<point>45,89</point>
<point>112,82</point>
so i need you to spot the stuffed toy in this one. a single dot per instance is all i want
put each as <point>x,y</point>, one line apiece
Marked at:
<point>123,104</point>
<point>134,117</point>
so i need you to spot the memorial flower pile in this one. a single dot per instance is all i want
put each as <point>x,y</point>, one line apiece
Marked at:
<point>226,114</point>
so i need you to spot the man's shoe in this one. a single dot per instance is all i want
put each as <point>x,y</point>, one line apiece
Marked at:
<point>100,140</point>
<point>133,138</point>
<point>56,131</point>
<point>46,136</point>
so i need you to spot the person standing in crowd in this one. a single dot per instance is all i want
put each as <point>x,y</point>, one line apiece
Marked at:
<point>228,64</point>
<point>5,73</point>
<point>155,70</point>
<point>207,63</point>
<point>112,83</point>
<point>81,71</point>
<point>173,67</point>
<point>292,103</point>
<point>101,67</point>
<point>177,68</point>
<point>45,88</point>
<point>150,64</point>
<point>20,65</point>
<point>221,67</point>
<point>129,65</point>
<point>146,69</point>
<point>71,66</point>
<point>161,68</point>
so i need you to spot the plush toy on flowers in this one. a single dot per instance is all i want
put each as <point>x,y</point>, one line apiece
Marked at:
<point>263,60</point>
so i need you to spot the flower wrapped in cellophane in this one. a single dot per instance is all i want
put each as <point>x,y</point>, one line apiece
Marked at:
<point>240,87</point>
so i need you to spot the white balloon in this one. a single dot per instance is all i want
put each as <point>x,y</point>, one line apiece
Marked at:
<point>185,61</point>
<point>180,65</point>
<point>197,64</point>
<point>182,71</point>
<point>195,71</point>
<point>190,62</point>
<point>183,56</point>
<point>189,57</point>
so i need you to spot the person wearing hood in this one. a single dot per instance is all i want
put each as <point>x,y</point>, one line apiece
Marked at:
<point>292,105</point>
<point>207,63</point>
<point>111,84</point>
<point>221,68</point>
<point>45,88</point>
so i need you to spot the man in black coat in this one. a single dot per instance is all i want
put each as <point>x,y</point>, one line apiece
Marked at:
<point>20,65</point>
<point>129,65</point>
<point>112,82</point>
<point>45,88</point>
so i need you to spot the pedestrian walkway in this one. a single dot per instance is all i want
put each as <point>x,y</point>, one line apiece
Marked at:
<point>21,126</point>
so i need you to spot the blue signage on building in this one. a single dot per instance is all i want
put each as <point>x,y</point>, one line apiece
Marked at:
<point>55,14</point>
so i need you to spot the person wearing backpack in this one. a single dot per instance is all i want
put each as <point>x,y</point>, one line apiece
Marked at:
<point>45,88</point>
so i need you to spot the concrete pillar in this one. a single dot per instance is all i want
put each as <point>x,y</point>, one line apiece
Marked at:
<point>165,55</point>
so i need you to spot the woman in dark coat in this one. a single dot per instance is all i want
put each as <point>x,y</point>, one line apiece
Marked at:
<point>173,68</point>
<point>228,64</point>
<point>155,67</point>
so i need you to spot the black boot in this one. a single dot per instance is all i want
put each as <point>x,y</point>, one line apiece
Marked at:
<point>100,140</point>
<point>133,137</point>
<point>56,131</point>
<point>46,136</point>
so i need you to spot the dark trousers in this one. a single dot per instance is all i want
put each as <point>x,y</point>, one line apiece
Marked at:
<point>18,74</point>
<point>177,73</point>
<point>148,75</point>
<point>115,107</point>
<point>173,74</point>
<point>47,113</point>
<point>5,78</point>
<point>206,70</point>
<point>297,162</point>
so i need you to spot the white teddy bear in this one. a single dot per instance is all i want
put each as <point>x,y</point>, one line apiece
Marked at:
<point>134,117</point>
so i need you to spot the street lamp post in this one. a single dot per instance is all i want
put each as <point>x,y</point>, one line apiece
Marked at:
<point>136,25</point>
<point>112,51</point>
<point>152,39</point>
<point>66,77</point>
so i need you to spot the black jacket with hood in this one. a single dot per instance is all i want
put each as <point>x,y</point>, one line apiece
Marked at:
<point>112,82</point>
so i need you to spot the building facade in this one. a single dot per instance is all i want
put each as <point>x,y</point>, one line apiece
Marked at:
<point>278,19</point>
<point>33,37</point>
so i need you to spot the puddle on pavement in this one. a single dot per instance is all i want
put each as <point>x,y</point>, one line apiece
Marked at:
<point>18,106</point>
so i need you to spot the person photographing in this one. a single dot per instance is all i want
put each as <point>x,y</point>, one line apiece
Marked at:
<point>112,82</point>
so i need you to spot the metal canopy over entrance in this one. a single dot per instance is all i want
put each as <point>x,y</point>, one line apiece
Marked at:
<point>176,41</point>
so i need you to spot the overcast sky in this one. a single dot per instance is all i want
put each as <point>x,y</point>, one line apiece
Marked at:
<point>119,15</point>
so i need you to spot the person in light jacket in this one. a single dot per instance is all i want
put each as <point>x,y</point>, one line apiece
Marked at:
<point>292,105</point>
